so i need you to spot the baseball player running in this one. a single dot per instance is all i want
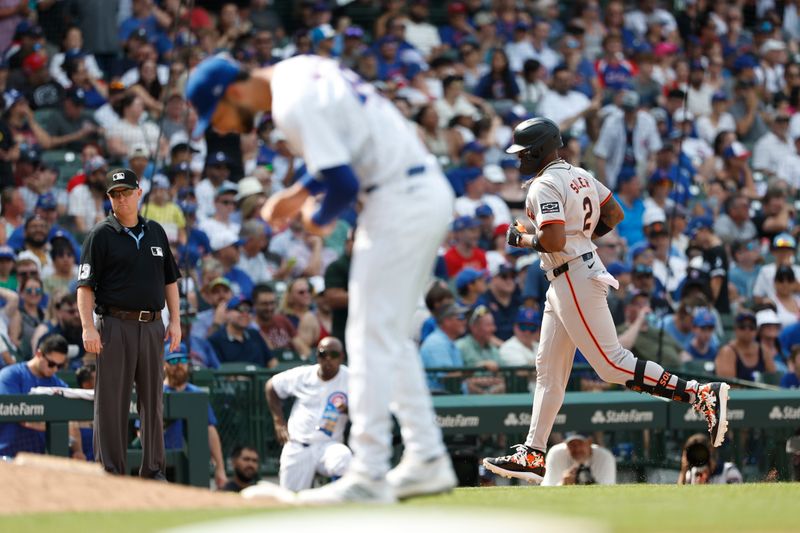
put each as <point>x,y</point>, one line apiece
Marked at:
<point>567,208</point>
<point>354,140</point>
<point>312,440</point>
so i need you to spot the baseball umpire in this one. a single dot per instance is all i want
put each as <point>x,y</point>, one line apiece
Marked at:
<point>568,208</point>
<point>126,273</point>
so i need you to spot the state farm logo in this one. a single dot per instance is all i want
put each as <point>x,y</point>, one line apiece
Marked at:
<point>524,419</point>
<point>693,416</point>
<point>625,416</point>
<point>458,421</point>
<point>787,412</point>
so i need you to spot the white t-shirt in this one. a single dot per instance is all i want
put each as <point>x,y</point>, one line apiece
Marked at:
<point>331,117</point>
<point>764,285</point>
<point>319,412</point>
<point>601,463</point>
<point>567,195</point>
<point>423,36</point>
<point>558,107</point>
<point>770,150</point>
<point>514,353</point>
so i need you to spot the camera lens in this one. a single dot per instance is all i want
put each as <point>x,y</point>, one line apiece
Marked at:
<point>697,454</point>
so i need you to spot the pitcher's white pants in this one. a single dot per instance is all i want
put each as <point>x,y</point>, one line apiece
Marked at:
<point>576,314</point>
<point>300,462</point>
<point>399,230</point>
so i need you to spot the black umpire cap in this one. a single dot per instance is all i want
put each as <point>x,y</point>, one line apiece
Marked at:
<point>121,177</point>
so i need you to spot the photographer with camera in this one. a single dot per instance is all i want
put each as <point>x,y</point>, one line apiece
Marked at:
<point>700,466</point>
<point>577,461</point>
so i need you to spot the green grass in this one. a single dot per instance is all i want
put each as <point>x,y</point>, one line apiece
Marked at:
<point>624,508</point>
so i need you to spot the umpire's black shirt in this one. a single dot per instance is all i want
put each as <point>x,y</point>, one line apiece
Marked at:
<point>126,274</point>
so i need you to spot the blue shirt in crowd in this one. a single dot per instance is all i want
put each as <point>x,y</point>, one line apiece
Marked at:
<point>18,379</point>
<point>790,381</point>
<point>173,433</point>
<point>439,351</point>
<point>630,228</point>
<point>252,349</point>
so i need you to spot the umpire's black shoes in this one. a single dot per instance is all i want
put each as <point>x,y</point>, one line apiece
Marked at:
<point>526,464</point>
<point>712,402</point>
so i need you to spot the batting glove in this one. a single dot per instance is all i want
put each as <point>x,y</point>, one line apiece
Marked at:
<point>514,237</point>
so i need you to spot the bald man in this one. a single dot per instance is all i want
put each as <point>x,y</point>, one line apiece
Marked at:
<point>312,439</point>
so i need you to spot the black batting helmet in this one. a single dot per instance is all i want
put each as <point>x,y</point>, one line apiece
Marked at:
<point>534,139</point>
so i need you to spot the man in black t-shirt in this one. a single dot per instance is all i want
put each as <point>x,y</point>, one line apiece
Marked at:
<point>126,274</point>
<point>714,262</point>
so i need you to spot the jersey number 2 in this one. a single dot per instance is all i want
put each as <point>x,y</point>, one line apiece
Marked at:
<point>587,220</point>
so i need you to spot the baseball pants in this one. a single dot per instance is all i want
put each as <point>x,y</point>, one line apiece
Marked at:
<point>576,314</point>
<point>399,231</point>
<point>132,353</point>
<point>300,462</point>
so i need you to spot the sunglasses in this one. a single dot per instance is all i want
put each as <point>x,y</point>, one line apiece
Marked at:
<point>53,364</point>
<point>243,309</point>
<point>528,327</point>
<point>178,361</point>
<point>27,272</point>
<point>33,290</point>
<point>227,202</point>
<point>328,354</point>
<point>507,275</point>
<point>126,193</point>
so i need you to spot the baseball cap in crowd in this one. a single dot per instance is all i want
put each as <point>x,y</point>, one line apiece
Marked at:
<point>737,150</point>
<point>355,32</point>
<point>34,62</point>
<point>653,215</point>
<point>772,45</point>
<point>660,175</point>
<point>7,252</point>
<point>11,97</point>
<point>494,173</point>
<point>160,181</point>
<point>698,223</point>
<point>27,255</point>
<point>226,188</point>
<point>682,115</point>
<point>528,319</point>
<point>456,8</point>
<point>468,275</point>
<point>625,175</point>
<point>180,168</point>
<point>180,353</point>
<point>121,178</point>
<point>784,240</point>
<point>767,317</point>
<point>704,318</point>
<point>46,201</point>
<point>320,33</point>
<point>473,147</point>
<point>678,211</point>
<point>508,163</point>
<point>618,268</point>
<point>658,114</point>
<point>665,49</point>
<point>744,62</point>
<point>638,249</point>
<point>449,310</point>
<point>237,301</point>
<point>94,164</point>
<point>483,210</point>
<point>500,229</point>
<point>206,86</point>
<point>220,281</point>
<point>223,239</point>
<point>630,100</point>
<point>217,158</point>
<point>745,317</point>
<point>764,26</point>
<point>138,150</point>
<point>31,155</point>
<point>188,208</point>
<point>719,96</point>
<point>26,27</point>
<point>573,436</point>
<point>465,222</point>
<point>76,95</point>
<point>505,268</point>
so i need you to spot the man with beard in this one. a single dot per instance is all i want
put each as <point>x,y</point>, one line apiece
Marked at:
<point>176,379</point>
<point>86,200</point>
<point>35,242</point>
<point>245,468</point>
<point>47,211</point>
<point>67,323</point>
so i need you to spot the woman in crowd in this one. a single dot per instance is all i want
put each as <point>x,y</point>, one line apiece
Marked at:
<point>296,305</point>
<point>787,300</point>
<point>743,357</point>
<point>31,314</point>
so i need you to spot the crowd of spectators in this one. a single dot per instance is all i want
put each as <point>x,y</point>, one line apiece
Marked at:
<point>687,110</point>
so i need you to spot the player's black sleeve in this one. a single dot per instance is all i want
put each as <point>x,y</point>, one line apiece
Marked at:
<point>91,254</point>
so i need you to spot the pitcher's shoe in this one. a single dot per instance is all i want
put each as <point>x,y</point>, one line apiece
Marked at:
<point>712,403</point>
<point>350,488</point>
<point>417,477</point>
<point>526,464</point>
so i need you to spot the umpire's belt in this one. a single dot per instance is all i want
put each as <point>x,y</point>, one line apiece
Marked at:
<point>412,171</point>
<point>557,271</point>
<point>139,316</point>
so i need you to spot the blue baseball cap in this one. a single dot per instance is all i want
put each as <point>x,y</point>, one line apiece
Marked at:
<point>703,318</point>
<point>7,252</point>
<point>188,208</point>
<point>320,33</point>
<point>206,86</point>
<point>46,201</point>
<point>529,316</point>
<point>468,275</point>
<point>698,223</point>
<point>180,353</point>
<point>618,268</point>
<point>465,222</point>
<point>483,210</point>
<point>236,301</point>
<point>473,147</point>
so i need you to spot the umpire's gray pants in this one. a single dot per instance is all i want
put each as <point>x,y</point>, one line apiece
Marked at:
<point>133,352</point>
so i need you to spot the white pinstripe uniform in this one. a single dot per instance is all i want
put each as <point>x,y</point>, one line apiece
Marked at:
<point>576,313</point>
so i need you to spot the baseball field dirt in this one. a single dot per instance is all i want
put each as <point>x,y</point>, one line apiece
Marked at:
<point>38,483</point>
